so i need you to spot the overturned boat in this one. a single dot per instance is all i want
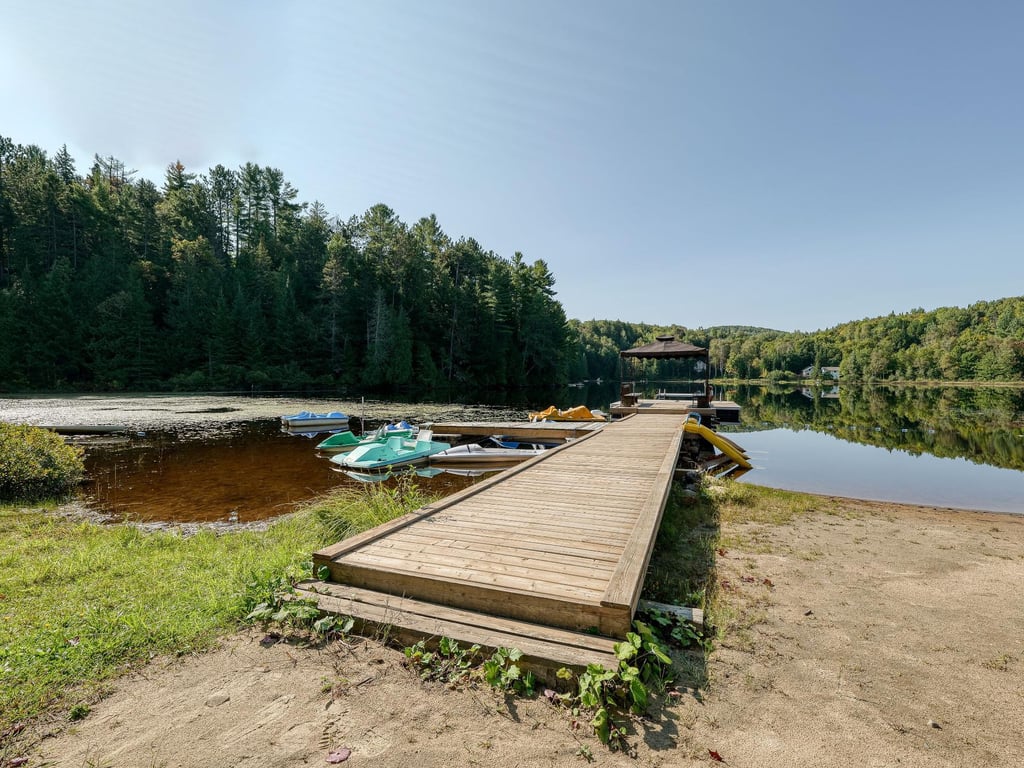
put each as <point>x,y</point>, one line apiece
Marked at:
<point>307,420</point>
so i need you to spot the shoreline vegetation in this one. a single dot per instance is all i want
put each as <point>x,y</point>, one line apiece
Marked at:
<point>83,604</point>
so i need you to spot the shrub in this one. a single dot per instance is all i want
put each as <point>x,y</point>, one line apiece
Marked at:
<point>36,464</point>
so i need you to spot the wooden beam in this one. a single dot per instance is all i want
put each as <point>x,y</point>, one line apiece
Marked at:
<point>407,620</point>
<point>693,615</point>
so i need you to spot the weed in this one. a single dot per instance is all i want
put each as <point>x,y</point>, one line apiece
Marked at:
<point>348,512</point>
<point>585,752</point>
<point>36,463</point>
<point>999,663</point>
<point>643,667</point>
<point>449,664</point>
<point>78,712</point>
<point>503,672</point>
<point>282,608</point>
<point>674,629</point>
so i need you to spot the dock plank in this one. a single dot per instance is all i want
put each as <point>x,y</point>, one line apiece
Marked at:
<point>563,539</point>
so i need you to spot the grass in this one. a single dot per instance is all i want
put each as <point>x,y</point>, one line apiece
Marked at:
<point>81,602</point>
<point>682,570</point>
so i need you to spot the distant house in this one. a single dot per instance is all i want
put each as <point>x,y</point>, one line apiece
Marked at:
<point>827,371</point>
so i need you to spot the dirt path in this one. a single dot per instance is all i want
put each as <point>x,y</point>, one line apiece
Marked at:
<point>870,635</point>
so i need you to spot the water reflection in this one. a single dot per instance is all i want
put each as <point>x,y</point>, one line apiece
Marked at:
<point>981,425</point>
<point>819,463</point>
<point>943,446</point>
<point>239,473</point>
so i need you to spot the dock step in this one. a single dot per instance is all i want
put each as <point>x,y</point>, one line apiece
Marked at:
<point>545,649</point>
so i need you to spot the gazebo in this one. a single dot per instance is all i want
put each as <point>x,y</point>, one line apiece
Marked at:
<point>663,348</point>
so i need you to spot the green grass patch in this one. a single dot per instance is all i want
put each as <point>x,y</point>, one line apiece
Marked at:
<point>81,602</point>
<point>682,567</point>
<point>346,514</point>
<point>743,503</point>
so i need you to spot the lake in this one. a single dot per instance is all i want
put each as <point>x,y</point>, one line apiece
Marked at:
<point>939,446</point>
<point>223,460</point>
<point>802,460</point>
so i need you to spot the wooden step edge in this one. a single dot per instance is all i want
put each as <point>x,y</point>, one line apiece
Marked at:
<point>571,613</point>
<point>397,626</point>
<point>469,617</point>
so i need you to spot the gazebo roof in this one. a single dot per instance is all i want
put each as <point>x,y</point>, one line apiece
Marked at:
<point>665,348</point>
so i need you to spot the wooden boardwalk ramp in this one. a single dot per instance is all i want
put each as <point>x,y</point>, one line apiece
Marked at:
<point>551,553</point>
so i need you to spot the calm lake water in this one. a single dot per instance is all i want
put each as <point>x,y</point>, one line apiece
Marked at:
<point>941,446</point>
<point>222,459</point>
<point>824,463</point>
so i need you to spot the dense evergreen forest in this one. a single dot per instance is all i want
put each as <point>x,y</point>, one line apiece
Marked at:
<point>225,279</point>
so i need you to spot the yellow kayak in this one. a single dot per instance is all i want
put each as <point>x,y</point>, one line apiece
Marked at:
<point>721,442</point>
<point>579,413</point>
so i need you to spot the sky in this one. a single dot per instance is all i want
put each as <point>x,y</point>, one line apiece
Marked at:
<point>785,164</point>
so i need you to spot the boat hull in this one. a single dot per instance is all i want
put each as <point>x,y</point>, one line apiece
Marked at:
<point>477,454</point>
<point>346,441</point>
<point>309,419</point>
<point>395,452</point>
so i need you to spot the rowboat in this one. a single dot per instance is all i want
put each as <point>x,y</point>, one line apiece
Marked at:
<point>488,451</point>
<point>304,419</point>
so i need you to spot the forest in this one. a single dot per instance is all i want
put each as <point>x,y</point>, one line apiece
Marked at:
<point>984,342</point>
<point>224,279</point>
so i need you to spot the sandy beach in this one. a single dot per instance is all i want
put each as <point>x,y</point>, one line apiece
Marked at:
<point>864,634</point>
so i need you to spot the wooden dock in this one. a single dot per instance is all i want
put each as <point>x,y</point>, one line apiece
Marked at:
<point>549,552</point>
<point>724,410</point>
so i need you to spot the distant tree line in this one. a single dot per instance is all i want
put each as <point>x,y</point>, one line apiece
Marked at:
<point>224,279</point>
<point>984,342</point>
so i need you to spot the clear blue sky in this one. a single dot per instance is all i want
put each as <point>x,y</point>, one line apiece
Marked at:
<point>784,164</point>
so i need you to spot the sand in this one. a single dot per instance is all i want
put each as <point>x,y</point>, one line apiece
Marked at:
<point>866,634</point>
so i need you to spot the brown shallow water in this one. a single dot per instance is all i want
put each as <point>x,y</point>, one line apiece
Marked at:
<point>249,473</point>
<point>218,459</point>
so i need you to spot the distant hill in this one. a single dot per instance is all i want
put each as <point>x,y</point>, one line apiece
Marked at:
<point>982,342</point>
